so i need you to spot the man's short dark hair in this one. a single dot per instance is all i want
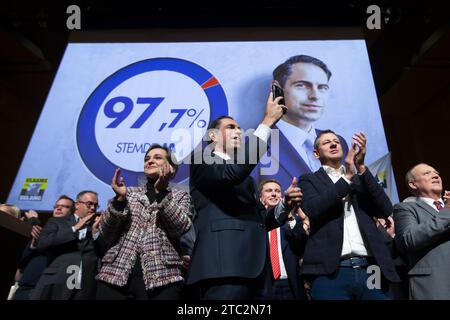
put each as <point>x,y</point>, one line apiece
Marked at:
<point>63,196</point>
<point>264,182</point>
<point>82,193</point>
<point>170,157</point>
<point>321,133</point>
<point>215,124</point>
<point>284,70</point>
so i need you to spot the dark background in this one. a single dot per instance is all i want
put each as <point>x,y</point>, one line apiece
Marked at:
<point>410,58</point>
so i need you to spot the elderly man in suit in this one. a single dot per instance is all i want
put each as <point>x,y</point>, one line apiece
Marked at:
<point>341,202</point>
<point>423,234</point>
<point>229,258</point>
<point>72,255</point>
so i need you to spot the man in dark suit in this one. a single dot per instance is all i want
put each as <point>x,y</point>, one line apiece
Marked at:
<point>344,241</point>
<point>33,262</point>
<point>305,82</point>
<point>229,257</point>
<point>69,245</point>
<point>423,234</point>
<point>287,245</point>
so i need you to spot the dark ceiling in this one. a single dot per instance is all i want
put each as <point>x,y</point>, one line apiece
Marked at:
<point>410,57</point>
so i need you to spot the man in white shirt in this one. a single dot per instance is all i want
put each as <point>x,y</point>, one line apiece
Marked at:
<point>305,82</point>
<point>423,234</point>
<point>341,202</point>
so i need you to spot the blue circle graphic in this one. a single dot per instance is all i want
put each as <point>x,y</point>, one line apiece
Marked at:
<point>88,147</point>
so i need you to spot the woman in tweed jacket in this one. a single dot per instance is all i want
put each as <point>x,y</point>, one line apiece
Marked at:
<point>142,227</point>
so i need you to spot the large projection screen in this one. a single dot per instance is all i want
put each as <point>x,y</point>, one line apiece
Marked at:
<point>111,99</point>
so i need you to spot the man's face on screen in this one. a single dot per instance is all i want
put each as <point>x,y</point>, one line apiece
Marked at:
<point>306,94</point>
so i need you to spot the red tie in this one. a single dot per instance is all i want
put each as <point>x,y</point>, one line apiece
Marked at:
<point>438,205</point>
<point>274,258</point>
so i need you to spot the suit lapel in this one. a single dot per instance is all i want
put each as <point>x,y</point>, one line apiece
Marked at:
<point>283,239</point>
<point>426,207</point>
<point>356,184</point>
<point>292,162</point>
<point>323,176</point>
<point>71,220</point>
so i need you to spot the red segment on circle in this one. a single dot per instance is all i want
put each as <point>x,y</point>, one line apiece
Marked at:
<point>211,82</point>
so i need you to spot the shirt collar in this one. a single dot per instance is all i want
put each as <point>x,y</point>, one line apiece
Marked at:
<point>222,155</point>
<point>334,172</point>
<point>430,201</point>
<point>293,133</point>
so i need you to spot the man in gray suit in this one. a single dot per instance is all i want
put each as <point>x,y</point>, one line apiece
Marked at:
<point>423,234</point>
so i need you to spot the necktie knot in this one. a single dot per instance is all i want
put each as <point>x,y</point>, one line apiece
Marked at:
<point>438,205</point>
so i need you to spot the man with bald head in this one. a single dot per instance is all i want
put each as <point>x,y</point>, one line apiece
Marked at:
<point>423,234</point>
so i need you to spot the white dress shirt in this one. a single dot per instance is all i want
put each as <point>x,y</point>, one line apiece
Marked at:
<point>353,242</point>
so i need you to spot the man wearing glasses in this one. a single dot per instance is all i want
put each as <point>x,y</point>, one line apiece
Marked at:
<point>33,262</point>
<point>69,243</point>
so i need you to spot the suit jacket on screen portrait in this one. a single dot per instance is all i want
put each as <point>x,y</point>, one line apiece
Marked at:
<point>291,164</point>
<point>423,236</point>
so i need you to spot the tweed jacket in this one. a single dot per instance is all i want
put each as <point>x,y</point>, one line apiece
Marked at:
<point>152,230</point>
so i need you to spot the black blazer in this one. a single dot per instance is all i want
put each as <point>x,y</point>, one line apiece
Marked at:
<point>322,202</point>
<point>293,243</point>
<point>32,264</point>
<point>63,249</point>
<point>231,226</point>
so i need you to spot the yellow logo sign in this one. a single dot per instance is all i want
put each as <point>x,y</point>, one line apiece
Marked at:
<point>33,189</point>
